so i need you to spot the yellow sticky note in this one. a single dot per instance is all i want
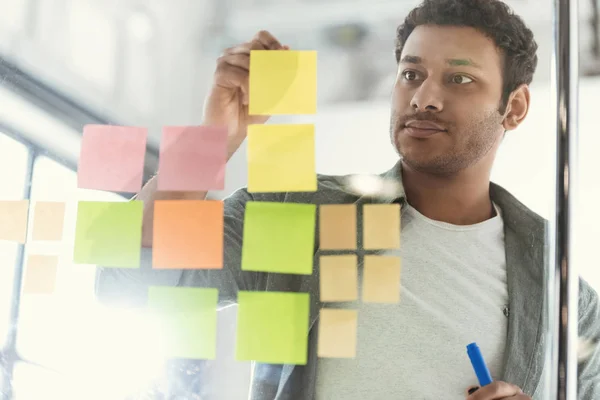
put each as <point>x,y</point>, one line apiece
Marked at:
<point>338,278</point>
<point>13,220</point>
<point>281,158</point>
<point>381,226</point>
<point>283,82</point>
<point>48,220</point>
<point>337,227</point>
<point>40,274</point>
<point>381,279</point>
<point>337,333</point>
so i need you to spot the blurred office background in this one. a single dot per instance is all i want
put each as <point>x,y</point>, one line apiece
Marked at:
<point>67,63</point>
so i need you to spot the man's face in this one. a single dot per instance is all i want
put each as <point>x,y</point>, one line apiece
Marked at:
<point>446,99</point>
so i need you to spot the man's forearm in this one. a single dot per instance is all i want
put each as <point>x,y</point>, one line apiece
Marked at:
<point>149,194</point>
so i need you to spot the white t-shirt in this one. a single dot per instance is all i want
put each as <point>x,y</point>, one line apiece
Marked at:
<point>452,292</point>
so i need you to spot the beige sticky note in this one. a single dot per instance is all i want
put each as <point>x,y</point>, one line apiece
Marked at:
<point>337,333</point>
<point>40,274</point>
<point>381,226</point>
<point>337,226</point>
<point>381,279</point>
<point>13,220</point>
<point>338,278</point>
<point>48,220</point>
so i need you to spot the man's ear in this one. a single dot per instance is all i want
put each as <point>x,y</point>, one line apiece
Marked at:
<point>517,107</point>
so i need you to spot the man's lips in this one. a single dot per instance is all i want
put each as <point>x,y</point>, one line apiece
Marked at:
<point>422,129</point>
<point>426,125</point>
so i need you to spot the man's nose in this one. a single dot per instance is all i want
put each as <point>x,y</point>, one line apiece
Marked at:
<point>428,97</point>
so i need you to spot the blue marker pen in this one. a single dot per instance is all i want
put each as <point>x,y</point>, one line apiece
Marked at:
<point>481,370</point>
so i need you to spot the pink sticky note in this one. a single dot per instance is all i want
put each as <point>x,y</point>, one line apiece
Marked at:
<point>112,158</point>
<point>192,158</point>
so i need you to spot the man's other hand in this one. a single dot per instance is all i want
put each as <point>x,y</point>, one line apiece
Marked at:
<point>497,390</point>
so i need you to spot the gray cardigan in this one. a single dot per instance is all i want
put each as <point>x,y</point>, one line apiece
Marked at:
<point>525,243</point>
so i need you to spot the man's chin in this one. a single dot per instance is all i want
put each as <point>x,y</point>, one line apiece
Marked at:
<point>426,163</point>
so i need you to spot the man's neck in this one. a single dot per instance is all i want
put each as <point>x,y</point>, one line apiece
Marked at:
<point>461,199</point>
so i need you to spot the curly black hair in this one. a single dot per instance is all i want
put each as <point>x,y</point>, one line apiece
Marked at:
<point>494,19</point>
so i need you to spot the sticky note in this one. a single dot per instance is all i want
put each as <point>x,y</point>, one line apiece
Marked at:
<point>283,82</point>
<point>112,158</point>
<point>337,227</point>
<point>192,158</point>
<point>281,158</point>
<point>40,274</point>
<point>109,234</point>
<point>272,327</point>
<point>381,279</point>
<point>48,220</point>
<point>338,278</point>
<point>188,234</point>
<point>188,320</point>
<point>13,220</point>
<point>337,333</point>
<point>381,226</point>
<point>279,237</point>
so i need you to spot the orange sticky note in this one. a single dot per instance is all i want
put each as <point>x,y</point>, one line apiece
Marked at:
<point>337,226</point>
<point>48,220</point>
<point>188,234</point>
<point>337,333</point>
<point>381,279</point>
<point>192,158</point>
<point>112,158</point>
<point>381,226</point>
<point>13,220</point>
<point>40,274</point>
<point>338,278</point>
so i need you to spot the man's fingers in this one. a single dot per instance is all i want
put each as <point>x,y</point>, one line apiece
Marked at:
<point>232,76</point>
<point>268,40</point>
<point>236,60</point>
<point>495,391</point>
<point>233,66</point>
<point>245,48</point>
<point>263,40</point>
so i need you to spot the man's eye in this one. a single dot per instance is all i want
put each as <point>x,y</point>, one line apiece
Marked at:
<point>410,75</point>
<point>461,79</point>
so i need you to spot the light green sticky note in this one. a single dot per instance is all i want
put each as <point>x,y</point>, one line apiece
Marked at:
<point>109,233</point>
<point>279,237</point>
<point>272,327</point>
<point>188,320</point>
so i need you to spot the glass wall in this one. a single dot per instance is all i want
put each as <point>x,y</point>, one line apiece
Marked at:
<point>389,278</point>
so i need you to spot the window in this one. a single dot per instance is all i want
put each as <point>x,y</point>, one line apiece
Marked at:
<point>13,173</point>
<point>69,332</point>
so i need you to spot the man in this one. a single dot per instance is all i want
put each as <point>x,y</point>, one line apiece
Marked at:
<point>472,255</point>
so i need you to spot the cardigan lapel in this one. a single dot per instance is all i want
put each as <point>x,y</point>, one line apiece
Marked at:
<point>524,237</point>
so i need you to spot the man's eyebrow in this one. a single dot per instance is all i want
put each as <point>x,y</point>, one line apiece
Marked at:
<point>457,62</point>
<point>411,60</point>
<point>453,62</point>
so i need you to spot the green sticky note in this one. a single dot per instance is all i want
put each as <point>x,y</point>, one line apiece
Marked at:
<point>279,237</point>
<point>109,233</point>
<point>188,320</point>
<point>272,327</point>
